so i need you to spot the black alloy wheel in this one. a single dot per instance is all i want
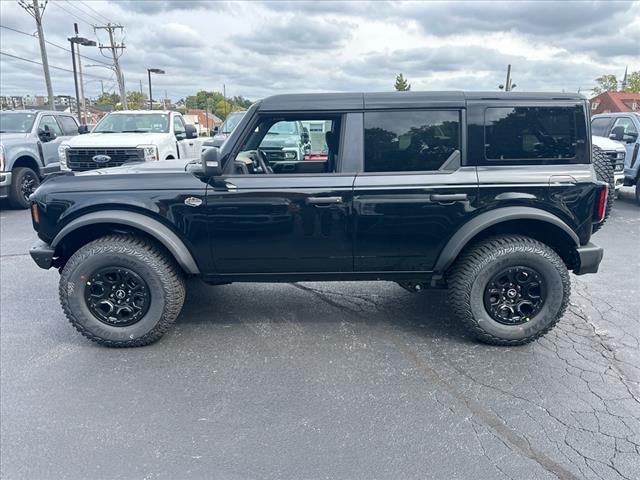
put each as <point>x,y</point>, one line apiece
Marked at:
<point>28,184</point>
<point>514,295</point>
<point>117,296</point>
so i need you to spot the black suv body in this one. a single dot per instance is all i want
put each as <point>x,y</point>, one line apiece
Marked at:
<point>492,195</point>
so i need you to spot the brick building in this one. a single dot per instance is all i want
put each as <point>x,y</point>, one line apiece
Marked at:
<point>608,102</point>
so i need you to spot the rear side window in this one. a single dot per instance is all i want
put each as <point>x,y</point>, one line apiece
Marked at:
<point>410,141</point>
<point>599,126</point>
<point>533,133</point>
<point>69,125</point>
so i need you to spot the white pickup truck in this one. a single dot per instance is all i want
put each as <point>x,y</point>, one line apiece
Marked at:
<point>131,136</point>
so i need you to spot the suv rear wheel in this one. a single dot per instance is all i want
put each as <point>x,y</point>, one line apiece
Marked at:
<point>24,182</point>
<point>121,291</point>
<point>509,290</point>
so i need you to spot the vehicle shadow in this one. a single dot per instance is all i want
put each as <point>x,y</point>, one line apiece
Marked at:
<point>424,314</point>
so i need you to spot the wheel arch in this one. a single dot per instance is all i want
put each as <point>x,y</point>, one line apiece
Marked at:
<point>90,226</point>
<point>532,222</point>
<point>28,161</point>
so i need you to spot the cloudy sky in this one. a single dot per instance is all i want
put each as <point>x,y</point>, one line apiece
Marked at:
<point>261,48</point>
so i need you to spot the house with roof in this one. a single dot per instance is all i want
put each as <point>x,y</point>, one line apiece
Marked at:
<point>608,102</point>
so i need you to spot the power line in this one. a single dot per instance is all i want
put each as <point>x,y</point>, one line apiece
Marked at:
<point>54,44</point>
<point>73,14</point>
<point>50,66</point>
<point>94,10</point>
<point>83,11</point>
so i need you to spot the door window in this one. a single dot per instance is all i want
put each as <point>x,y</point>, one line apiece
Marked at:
<point>410,141</point>
<point>178,126</point>
<point>69,125</point>
<point>599,126</point>
<point>627,123</point>
<point>302,146</point>
<point>50,121</point>
<point>531,133</point>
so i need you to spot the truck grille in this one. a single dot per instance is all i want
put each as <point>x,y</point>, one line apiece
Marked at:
<point>81,159</point>
<point>617,160</point>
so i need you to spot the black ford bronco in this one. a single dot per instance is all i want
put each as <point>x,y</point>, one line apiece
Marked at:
<point>492,195</point>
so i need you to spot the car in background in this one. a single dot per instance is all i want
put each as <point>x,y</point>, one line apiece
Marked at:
<point>220,134</point>
<point>29,143</point>
<point>616,153</point>
<point>131,136</point>
<point>622,127</point>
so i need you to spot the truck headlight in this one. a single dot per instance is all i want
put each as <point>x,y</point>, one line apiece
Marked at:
<point>63,148</point>
<point>150,152</point>
<point>290,155</point>
<point>1,158</point>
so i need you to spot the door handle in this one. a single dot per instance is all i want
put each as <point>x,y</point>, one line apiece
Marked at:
<point>449,197</point>
<point>320,201</point>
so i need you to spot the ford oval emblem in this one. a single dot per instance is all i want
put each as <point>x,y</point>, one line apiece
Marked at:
<point>100,159</point>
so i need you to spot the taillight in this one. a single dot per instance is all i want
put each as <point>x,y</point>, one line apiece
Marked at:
<point>35,214</point>
<point>601,203</point>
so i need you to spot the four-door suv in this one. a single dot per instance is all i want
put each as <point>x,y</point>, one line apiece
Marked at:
<point>492,195</point>
<point>29,150</point>
<point>623,127</point>
<point>131,136</point>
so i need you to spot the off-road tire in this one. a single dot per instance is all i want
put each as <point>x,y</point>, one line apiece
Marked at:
<point>16,196</point>
<point>475,267</point>
<point>604,171</point>
<point>161,273</point>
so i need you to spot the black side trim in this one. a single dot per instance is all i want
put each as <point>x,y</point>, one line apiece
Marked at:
<point>157,230</point>
<point>485,220</point>
<point>42,254</point>
<point>590,257</point>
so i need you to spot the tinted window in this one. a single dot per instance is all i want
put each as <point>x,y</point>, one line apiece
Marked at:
<point>69,125</point>
<point>409,141</point>
<point>50,122</point>
<point>599,126</point>
<point>523,133</point>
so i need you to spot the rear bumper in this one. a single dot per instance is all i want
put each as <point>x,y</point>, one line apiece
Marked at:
<point>590,256</point>
<point>42,254</point>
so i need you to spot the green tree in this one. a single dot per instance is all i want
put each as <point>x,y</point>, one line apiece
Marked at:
<point>606,83</point>
<point>402,85</point>
<point>137,100</point>
<point>633,82</point>
<point>107,99</point>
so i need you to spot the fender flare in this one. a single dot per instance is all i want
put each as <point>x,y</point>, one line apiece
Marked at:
<point>153,227</point>
<point>485,220</point>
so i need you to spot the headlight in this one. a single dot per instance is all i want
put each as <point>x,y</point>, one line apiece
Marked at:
<point>150,152</point>
<point>290,155</point>
<point>62,156</point>
<point>1,158</point>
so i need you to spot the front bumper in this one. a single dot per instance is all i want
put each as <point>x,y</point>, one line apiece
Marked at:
<point>589,256</point>
<point>5,183</point>
<point>618,180</point>
<point>42,254</point>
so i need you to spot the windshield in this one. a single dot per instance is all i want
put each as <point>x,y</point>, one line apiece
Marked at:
<point>16,122</point>
<point>133,123</point>
<point>284,128</point>
<point>231,122</point>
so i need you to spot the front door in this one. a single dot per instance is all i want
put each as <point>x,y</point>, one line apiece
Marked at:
<point>50,144</point>
<point>413,194</point>
<point>265,220</point>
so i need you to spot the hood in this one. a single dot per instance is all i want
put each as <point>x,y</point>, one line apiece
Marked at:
<point>607,143</point>
<point>6,138</point>
<point>116,139</point>
<point>279,141</point>
<point>161,166</point>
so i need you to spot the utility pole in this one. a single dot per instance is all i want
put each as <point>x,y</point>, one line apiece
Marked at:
<point>83,105</point>
<point>508,86</point>
<point>36,11</point>
<point>115,48</point>
<point>224,96</point>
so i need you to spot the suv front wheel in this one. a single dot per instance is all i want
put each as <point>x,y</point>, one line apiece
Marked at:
<point>509,290</point>
<point>121,291</point>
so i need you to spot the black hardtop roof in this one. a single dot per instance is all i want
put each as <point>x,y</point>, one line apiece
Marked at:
<point>381,100</point>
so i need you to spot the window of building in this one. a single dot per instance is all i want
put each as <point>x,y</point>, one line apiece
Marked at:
<point>599,126</point>
<point>532,133</point>
<point>595,105</point>
<point>69,125</point>
<point>410,141</point>
<point>50,122</point>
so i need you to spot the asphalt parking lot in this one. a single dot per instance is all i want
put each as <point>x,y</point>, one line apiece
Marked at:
<point>322,380</point>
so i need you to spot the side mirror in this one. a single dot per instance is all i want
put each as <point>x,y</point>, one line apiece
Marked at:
<point>617,133</point>
<point>305,137</point>
<point>82,129</point>
<point>211,164</point>
<point>191,131</point>
<point>215,131</point>
<point>46,135</point>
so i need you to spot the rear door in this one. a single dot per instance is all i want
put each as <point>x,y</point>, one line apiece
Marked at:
<point>413,193</point>
<point>283,223</point>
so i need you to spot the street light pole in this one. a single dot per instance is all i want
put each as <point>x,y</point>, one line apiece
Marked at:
<point>149,72</point>
<point>87,43</point>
